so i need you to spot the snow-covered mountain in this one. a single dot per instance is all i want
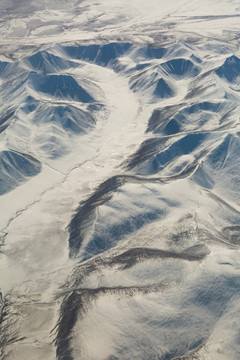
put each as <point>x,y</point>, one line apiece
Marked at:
<point>119,180</point>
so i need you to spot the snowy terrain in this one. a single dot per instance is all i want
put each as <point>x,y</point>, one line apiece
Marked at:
<point>119,180</point>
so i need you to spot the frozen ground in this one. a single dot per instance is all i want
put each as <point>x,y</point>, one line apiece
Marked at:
<point>119,180</point>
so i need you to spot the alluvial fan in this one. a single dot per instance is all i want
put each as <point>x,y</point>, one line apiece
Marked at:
<point>119,180</point>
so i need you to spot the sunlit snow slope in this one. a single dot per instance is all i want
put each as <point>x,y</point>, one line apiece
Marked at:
<point>119,180</point>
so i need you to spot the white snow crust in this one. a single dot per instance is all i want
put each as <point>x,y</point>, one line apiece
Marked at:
<point>119,180</point>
